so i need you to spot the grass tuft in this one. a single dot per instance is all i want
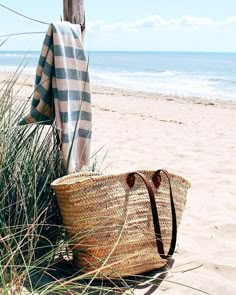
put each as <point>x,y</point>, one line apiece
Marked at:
<point>30,221</point>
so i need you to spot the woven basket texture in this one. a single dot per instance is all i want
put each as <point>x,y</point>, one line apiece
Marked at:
<point>112,224</point>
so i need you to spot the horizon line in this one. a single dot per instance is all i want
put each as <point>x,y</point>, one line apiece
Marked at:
<point>151,51</point>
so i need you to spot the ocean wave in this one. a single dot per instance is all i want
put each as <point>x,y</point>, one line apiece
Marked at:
<point>218,79</point>
<point>156,74</point>
<point>167,82</point>
<point>224,81</point>
<point>2,55</point>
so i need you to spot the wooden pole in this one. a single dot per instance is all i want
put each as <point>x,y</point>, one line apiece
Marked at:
<point>73,11</point>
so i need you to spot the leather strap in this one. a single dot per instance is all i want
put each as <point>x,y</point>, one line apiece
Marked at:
<point>157,175</point>
<point>157,180</point>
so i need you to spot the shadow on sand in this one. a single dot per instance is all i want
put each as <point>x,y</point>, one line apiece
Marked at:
<point>62,277</point>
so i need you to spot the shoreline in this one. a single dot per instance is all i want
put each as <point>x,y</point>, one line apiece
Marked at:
<point>204,75</point>
<point>96,88</point>
<point>112,90</point>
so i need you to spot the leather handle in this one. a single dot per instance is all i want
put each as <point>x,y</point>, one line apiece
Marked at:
<point>157,180</point>
<point>131,181</point>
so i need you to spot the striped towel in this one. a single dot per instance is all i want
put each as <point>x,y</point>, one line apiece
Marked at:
<point>62,91</point>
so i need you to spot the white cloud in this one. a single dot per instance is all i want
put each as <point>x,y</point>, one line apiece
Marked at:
<point>154,21</point>
<point>157,22</point>
<point>191,21</point>
<point>231,20</point>
<point>95,26</point>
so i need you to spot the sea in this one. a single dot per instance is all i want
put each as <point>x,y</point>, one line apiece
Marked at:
<point>207,75</point>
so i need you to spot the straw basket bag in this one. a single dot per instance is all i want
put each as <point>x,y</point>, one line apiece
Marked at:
<point>122,224</point>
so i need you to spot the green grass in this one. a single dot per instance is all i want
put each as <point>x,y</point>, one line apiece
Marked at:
<point>30,221</point>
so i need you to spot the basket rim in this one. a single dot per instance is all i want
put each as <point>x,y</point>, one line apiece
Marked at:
<point>95,176</point>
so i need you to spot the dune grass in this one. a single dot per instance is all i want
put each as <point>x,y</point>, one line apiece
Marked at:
<point>30,222</point>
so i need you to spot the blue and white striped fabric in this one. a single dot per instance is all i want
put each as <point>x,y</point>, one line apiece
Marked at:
<point>62,91</point>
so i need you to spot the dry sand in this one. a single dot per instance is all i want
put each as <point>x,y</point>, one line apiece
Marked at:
<point>195,139</point>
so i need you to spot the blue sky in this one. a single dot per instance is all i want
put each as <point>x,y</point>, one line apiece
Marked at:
<point>155,25</point>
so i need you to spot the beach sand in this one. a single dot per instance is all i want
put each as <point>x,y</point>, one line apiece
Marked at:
<point>194,138</point>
